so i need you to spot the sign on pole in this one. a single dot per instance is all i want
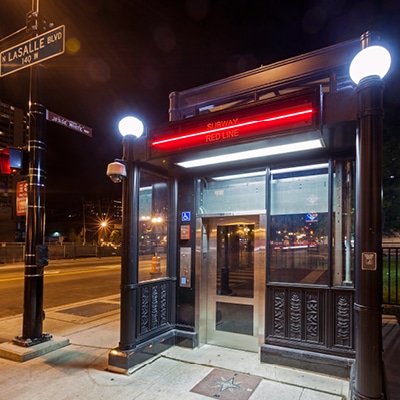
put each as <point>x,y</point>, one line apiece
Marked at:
<point>75,126</point>
<point>33,51</point>
<point>21,198</point>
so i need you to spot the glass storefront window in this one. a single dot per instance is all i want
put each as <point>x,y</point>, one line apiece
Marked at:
<point>153,227</point>
<point>232,195</point>
<point>343,223</point>
<point>299,225</point>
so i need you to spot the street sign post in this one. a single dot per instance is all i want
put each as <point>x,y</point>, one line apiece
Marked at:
<point>33,51</point>
<point>75,126</point>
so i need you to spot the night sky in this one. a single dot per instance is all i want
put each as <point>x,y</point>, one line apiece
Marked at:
<point>126,56</point>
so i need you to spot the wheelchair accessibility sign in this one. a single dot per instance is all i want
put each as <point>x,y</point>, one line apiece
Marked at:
<point>185,217</point>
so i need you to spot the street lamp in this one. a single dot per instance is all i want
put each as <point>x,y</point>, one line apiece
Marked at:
<point>367,69</point>
<point>127,172</point>
<point>102,232</point>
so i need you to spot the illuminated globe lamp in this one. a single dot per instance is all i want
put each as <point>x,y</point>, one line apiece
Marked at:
<point>370,61</point>
<point>131,126</point>
<point>127,171</point>
<point>367,69</point>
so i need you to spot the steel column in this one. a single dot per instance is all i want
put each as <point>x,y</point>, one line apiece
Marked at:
<point>33,314</point>
<point>368,231</point>
<point>130,254</point>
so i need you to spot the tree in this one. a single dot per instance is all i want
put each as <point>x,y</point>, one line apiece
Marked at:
<point>73,237</point>
<point>115,237</point>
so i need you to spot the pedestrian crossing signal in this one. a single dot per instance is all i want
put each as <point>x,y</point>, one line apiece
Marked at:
<point>11,160</point>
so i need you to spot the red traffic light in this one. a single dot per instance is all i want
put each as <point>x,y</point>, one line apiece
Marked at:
<point>11,160</point>
<point>5,161</point>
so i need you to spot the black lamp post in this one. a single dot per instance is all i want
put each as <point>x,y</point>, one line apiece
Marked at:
<point>35,249</point>
<point>367,70</point>
<point>127,171</point>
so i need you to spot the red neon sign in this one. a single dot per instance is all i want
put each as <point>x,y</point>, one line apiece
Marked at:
<point>232,129</point>
<point>270,119</point>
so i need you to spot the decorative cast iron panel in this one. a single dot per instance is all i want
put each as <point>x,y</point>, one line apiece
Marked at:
<point>279,313</point>
<point>163,304</point>
<point>303,317</point>
<point>312,317</point>
<point>309,316</point>
<point>153,306</point>
<point>144,314</point>
<point>295,315</point>
<point>343,320</point>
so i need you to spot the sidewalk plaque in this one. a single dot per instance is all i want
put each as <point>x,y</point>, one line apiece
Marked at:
<point>33,51</point>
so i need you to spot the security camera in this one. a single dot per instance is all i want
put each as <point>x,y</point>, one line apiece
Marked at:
<point>116,171</point>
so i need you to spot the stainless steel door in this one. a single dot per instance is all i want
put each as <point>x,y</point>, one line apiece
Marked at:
<point>235,287</point>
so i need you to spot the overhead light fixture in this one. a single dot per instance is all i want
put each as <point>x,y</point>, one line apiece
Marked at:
<point>299,168</point>
<point>239,176</point>
<point>250,154</point>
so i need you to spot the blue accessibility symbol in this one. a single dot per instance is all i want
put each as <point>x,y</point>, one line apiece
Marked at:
<point>185,216</point>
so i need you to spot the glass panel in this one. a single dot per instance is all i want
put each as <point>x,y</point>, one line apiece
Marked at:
<point>343,223</point>
<point>235,260</point>
<point>299,226</point>
<point>233,195</point>
<point>153,227</point>
<point>235,318</point>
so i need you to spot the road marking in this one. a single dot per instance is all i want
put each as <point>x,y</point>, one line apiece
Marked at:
<point>59,273</point>
<point>87,271</point>
<point>12,279</point>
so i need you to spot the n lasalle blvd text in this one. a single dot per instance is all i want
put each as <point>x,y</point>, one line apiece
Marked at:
<point>28,52</point>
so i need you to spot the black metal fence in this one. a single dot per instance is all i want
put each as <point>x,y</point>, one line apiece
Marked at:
<point>14,252</point>
<point>391,282</point>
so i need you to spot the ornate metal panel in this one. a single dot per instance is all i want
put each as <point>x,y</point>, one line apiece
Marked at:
<point>153,297</point>
<point>279,313</point>
<point>295,314</point>
<point>144,309</point>
<point>310,316</point>
<point>343,312</point>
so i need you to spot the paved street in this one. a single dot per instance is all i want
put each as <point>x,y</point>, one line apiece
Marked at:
<point>65,281</point>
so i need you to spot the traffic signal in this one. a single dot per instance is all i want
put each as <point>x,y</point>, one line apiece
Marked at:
<point>12,159</point>
<point>37,23</point>
<point>42,255</point>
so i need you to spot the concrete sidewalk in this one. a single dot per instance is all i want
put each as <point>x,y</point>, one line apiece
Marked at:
<point>79,370</point>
